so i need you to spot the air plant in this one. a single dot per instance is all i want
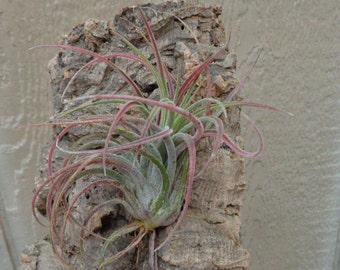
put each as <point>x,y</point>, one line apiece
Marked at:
<point>145,154</point>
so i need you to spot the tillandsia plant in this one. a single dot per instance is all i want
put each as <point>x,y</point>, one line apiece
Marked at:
<point>143,155</point>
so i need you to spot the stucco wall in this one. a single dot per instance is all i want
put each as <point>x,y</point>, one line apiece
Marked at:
<point>292,208</point>
<point>291,212</point>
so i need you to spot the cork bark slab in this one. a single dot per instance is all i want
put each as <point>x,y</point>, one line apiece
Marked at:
<point>209,238</point>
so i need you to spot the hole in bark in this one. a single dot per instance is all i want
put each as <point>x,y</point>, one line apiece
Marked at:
<point>182,26</point>
<point>107,223</point>
<point>150,88</point>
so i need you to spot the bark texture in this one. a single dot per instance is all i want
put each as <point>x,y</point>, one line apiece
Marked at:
<point>209,238</point>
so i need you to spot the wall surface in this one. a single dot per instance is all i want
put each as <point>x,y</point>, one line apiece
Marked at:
<point>291,213</point>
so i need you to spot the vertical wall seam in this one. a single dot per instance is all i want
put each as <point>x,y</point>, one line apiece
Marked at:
<point>6,235</point>
<point>336,263</point>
